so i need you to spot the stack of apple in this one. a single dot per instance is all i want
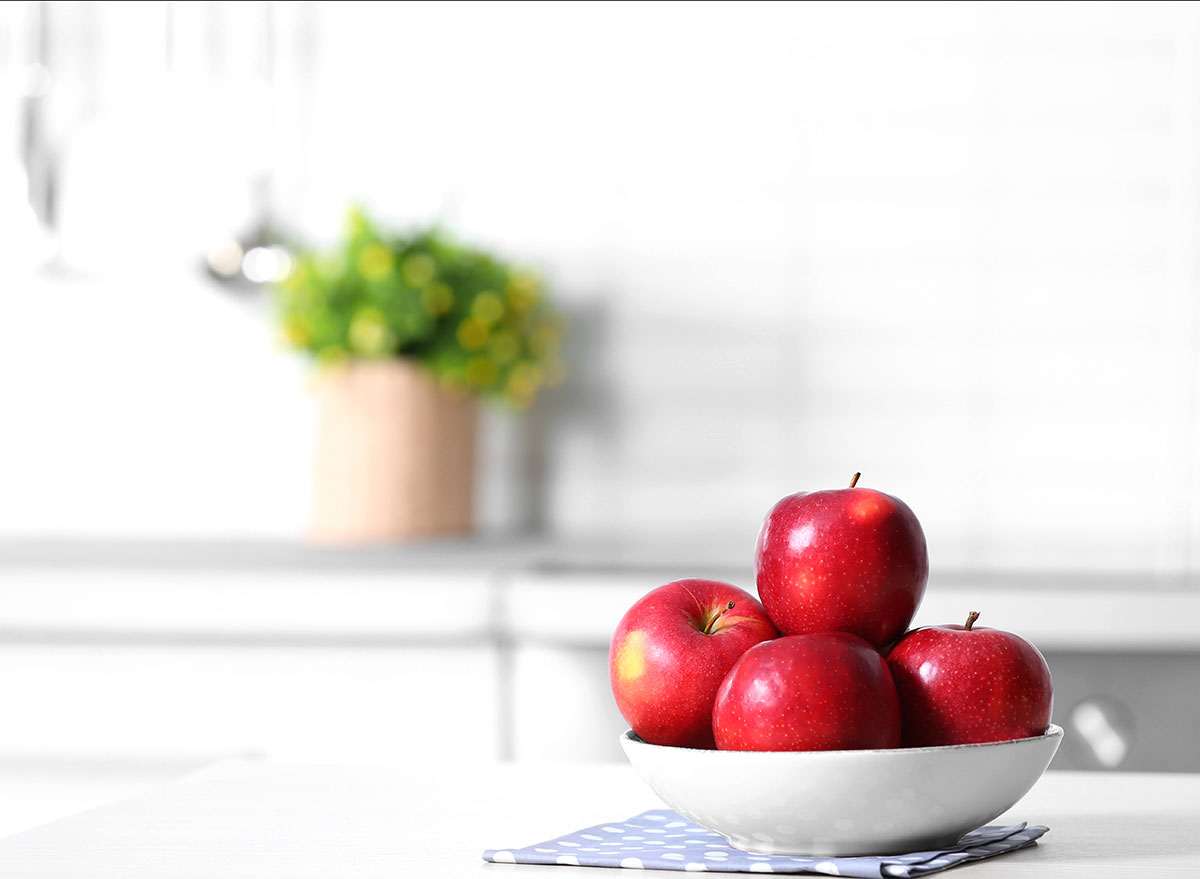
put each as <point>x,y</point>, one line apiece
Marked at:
<point>825,661</point>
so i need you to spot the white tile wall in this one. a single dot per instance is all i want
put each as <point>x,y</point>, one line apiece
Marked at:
<point>954,246</point>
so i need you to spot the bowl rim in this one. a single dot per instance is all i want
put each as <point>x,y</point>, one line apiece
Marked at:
<point>1053,731</point>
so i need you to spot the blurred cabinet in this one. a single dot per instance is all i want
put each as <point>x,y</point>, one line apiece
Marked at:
<point>325,703</point>
<point>1128,711</point>
<point>562,708</point>
<point>115,677</point>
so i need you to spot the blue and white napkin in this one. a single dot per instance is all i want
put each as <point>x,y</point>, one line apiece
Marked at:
<point>665,840</point>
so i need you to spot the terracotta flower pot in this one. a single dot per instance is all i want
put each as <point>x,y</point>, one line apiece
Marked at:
<point>395,455</point>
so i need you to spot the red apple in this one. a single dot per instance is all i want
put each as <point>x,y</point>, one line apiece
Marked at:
<point>672,649</point>
<point>845,560</point>
<point>960,684</point>
<point>825,692</point>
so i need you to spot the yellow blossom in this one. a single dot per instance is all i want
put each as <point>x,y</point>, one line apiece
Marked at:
<point>437,299</point>
<point>504,346</point>
<point>296,330</point>
<point>472,334</point>
<point>522,291</point>
<point>481,371</point>
<point>524,380</point>
<point>418,270</point>
<point>369,335</point>
<point>375,261</point>
<point>487,307</point>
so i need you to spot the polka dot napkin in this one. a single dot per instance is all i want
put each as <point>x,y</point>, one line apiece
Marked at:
<point>663,840</point>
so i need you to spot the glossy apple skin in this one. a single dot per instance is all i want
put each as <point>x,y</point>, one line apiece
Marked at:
<point>665,670</point>
<point>958,686</point>
<point>845,560</point>
<point>825,692</point>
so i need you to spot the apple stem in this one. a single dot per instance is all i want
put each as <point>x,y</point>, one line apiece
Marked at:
<point>724,610</point>
<point>971,618</point>
<point>854,481</point>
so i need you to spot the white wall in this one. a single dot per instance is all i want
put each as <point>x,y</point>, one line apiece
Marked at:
<point>954,246</point>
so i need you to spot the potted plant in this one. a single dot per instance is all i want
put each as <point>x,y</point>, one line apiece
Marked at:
<point>407,332</point>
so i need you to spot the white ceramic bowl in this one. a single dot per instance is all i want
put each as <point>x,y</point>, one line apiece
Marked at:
<point>843,803</point>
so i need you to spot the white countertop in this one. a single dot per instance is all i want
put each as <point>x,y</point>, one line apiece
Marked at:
<point>258,821</point>
<point>521,590</point>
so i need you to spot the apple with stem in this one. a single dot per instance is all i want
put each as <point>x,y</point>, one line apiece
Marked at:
<point>671,651</point>
<point>829,691</point>
<point>963,684</point>
<point>844,560</point>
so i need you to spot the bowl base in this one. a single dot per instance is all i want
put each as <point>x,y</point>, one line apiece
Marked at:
<point>836,848</point>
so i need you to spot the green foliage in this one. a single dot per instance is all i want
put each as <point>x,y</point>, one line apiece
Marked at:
<point>477,324</point>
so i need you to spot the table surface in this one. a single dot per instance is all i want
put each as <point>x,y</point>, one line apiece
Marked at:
<point>264,820</point>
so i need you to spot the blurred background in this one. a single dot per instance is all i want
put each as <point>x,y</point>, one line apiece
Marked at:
<point>954,246</point>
